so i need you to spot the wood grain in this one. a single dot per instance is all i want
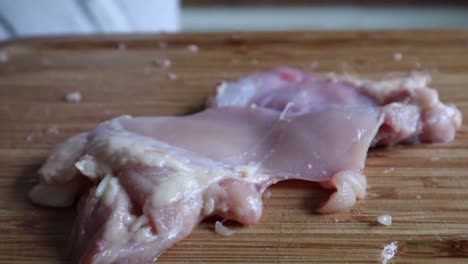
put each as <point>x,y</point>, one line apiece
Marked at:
<point>423,187</point>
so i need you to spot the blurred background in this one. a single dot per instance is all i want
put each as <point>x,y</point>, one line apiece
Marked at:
<point>57,17</point>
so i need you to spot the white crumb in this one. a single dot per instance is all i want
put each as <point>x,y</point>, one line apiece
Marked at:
<point>388,170</point>
<point>193,48</point>
<point>253,106</point>
<point>121,46</point>
<point>37,133</point>
<point>3,56</point>
<point>73,97</point>
<point>397,56</point>
<point>54,130</point>
<point>220,229</point>
<point>388,252</point>
<point>385,219</point>
<point>418,197</point>
<point>172,76</point>
<point>163,62</point>
<point>309,166</point>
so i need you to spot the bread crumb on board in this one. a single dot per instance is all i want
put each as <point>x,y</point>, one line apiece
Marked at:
<point>73,97</point>
<point>388,252</point>
<point>39,132</point>
<point>385,219</point>
<point>172,76</point>
<point>29,137</point>
<point>54,130</point>
<point>397,56</point>
<point>162,62</point>
<point>388,170</point>
<point>193,48</point>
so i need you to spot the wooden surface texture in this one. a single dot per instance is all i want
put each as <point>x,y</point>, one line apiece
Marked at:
<point>424,187</point>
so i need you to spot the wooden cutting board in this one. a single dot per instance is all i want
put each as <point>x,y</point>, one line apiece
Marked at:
<point>424,187</point>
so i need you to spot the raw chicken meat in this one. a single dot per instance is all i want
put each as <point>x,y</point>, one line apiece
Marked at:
<point>148,181</point>
<point>412,111</point>
<point>157,177</point>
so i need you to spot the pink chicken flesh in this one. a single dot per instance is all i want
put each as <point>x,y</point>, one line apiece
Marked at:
<point>412,111</point>
<point>149,181</point>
